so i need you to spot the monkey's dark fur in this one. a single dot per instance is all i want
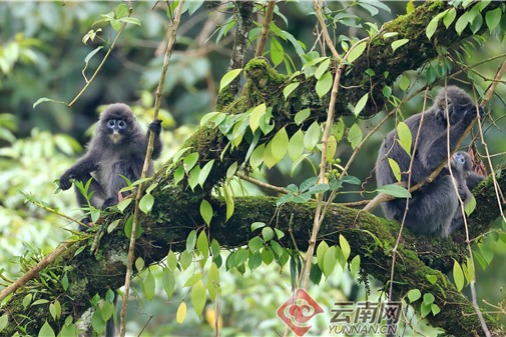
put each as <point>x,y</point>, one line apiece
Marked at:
<point>434,209</point>
<point>118,148</point>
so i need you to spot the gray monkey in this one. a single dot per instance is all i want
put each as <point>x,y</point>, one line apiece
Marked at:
<point>117,149</point>
<point>434,209</point>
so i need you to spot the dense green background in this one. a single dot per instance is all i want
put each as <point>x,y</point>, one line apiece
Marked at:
<point>42,55</point>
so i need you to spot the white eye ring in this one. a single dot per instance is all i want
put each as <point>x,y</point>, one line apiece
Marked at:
<point>121,124</point>
<point>111,123</point>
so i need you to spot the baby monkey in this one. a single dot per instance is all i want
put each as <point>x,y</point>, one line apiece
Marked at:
<point>117,149</point>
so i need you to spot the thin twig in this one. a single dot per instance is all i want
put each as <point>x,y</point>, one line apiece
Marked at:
<point>319,215</point>
<point>140,190</point>
<point>33,272</point>
<point>261,183</point>
<point>265,28</point>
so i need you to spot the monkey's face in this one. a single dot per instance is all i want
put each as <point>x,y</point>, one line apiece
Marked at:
<point>461,161</point>
<point>116,129</point>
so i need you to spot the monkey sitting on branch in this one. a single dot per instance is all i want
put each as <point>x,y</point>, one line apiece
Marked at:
<point>435,208</point>
<point>116,152</point>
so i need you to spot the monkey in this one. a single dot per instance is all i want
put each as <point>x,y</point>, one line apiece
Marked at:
<point>117,149</point>
<point>432,209</point>
<point>466,180</point>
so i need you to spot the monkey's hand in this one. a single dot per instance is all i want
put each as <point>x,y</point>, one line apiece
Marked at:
<point>64,181</point>
<point>156,126</point>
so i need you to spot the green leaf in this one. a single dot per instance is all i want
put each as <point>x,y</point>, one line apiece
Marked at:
<point>269,159</point>
<point>312,136</point>
<point>324,84</point>
<point>290,88</point>
<point>320,253</point>
<point>428,298</point>
<point>360,105</point>
<point>355,266</point>
<point>168,282</point>
<point>462,22</point>
<point>329,261</point>
<point>148,286</point>
<point>229,202</point>
<point>404,82</point>
<point>414,295</point>
<point>431,278</point>
<point>90,55</point>
<point>255,244</point>
<point>345,247</point>
<point>45,99</point>
<point>206,211</point>
<point>191,240</point>
<point>257,156</point>
<point>432,27</point>
<point>46,331</point>
<point>470,205</point>
<point>190,160</point>
<point>322,69</point>
<point>458,275</point>
<point>296,145</point>
<point>133,21</point>
<point>405,137</point>
<point>123,204</point>
<point>185,258</point>
<point>435,309</point>
<point>139,264</point>
<point>277,52</point>
<point>213,281</point>
<point>279,144</point>
<point>267,233</point>
<point>203,245</point>
<point>193,179</point>
<point>302,115</point>
<point>27,300</point>
<point>396,170</point>
<point>395,191</point>
<point>146,203</point>
<point>356,51</point>
<point>198,297</point>
<point>257,225</point>
<point>256,115</point>
<point>229,77</point>
<point>355,135</point>
<point>399,43</point>
<point>492,18</point>
<point>204,173</point>
<point>171,261</point>
<point>450,17</point>
<point>121,11</point>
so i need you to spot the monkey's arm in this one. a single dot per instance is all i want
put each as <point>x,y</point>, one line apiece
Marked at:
<point>436,150</point>
<point>156,128</point>
<point>81,168</point>
<point>473,179</point>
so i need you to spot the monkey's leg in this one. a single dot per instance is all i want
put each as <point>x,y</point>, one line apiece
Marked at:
<point>431,210</point>
<point>117,182</point>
